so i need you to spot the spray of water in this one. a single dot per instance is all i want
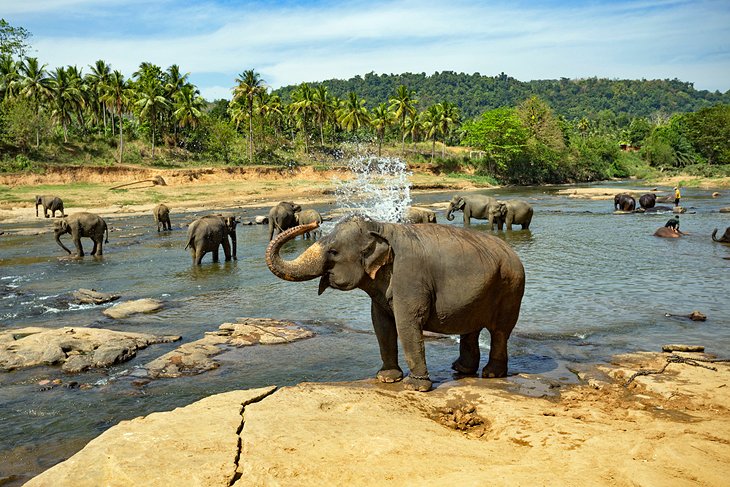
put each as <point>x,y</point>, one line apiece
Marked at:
<point>380,188</point>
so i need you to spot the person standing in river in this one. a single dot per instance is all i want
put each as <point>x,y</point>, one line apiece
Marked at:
<point>677,196</point>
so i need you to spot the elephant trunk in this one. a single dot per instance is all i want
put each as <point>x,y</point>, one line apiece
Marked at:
<point>58,241</point>
<point>36,208</point>
<point>308,265</point>
<point>450,213</point>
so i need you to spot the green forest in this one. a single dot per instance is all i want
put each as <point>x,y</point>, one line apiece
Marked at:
<point>493,127</point>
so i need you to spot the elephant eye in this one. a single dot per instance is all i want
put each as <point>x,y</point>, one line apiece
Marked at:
<point>332,252</point>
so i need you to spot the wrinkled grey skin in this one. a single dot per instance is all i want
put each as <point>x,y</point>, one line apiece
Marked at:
<point>162,217</point>
<point>305,217</point>
<point>511,212</point>
<point>647,200</point>
<point>79,225</point>
<point>725,237</point>
<point>436,278</point>
<point>209,232</point>
<point>281,217</point>
<point>420,215</point>
<point>53,203</point>
<point>473,206</point>
<point>624,202</point>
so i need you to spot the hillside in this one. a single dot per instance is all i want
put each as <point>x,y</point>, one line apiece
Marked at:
<point>571,98</point>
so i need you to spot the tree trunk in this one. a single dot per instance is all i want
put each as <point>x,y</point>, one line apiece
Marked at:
<point>433,147</point>
<point>121,140</point>
<point>153,142</point>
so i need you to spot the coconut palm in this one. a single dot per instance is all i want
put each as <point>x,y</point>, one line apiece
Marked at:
<point>66,96</point>
<point>97,81</point>
<point>323,109</point>
<point>403,105</point>
<point>117,95</point>
<point>449,118</point>
<point>174,81</point>
<point>302,109</point>
<point>353,113</point>
<point>9,77</point>
<point>271,110</point>
<point>188,106</point>
<point>381,119</point>
<point>248,86</point>
<point>414,127</point>
<point>151,104</point>
<point>35,87</point>
<point>431,120</point>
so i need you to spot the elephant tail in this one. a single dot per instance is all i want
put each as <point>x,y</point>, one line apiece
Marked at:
<point>106,232</point>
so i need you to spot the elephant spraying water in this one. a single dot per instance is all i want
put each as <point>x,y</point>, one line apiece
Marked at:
<point>435,278</point>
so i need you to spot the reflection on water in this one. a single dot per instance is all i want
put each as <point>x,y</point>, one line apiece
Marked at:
<point>597,284</point>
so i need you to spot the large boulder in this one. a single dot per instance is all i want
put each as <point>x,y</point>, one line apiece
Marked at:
<point>128,308</point>
<point>75,349</point>
<point>92,296</point>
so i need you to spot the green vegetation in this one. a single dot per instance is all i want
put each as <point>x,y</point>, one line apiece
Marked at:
<point>491,128</point>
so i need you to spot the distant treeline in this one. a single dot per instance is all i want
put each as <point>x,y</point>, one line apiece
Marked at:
<point>474,93</point>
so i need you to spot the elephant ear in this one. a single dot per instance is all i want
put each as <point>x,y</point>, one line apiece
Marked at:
<point>460,204</point>
<point>377,254</point>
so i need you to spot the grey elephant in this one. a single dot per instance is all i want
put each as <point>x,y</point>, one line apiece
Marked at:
<point>281,217</point>
<point>435,278</point>
<point>647,200</point>
<point>162,217</point>
<point>79,225</point>
<point>624,202</point>
<point>725,237</point>
<point>473,206</point>
<point>53,203</point>
<point>511,212</point>
<point>305,217</point>
<point>208,233</point>
<point>420,215</point>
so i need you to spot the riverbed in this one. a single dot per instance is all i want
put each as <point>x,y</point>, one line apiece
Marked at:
<point>597,284</point>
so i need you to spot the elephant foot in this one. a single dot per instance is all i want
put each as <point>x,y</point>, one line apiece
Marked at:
<point>390,375</point>
<point>495,369</point>
<point>419,384</point>
<point>462,369</point>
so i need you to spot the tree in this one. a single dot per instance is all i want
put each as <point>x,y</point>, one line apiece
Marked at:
<point>353,114</point>
<point>188,106</point>
<point>9,77</point>
<point>403,105</point>
<point>248,86</point>
<point>708,130</point>
<point>67,96</point>
<point>13,40</point>
<point>151,103</point>
<point>323,109</point>
<point>117,95</point>
<point>381,120</point>
<point>432,124</point>
<point>448,119</point>
<point>35,88</point>
<point>97,82</point>
<point>302,109</point>
<point>500,134</point>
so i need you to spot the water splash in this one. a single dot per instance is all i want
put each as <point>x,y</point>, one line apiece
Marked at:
<point>380,188</point>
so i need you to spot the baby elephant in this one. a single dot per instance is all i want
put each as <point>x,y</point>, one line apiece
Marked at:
<point>162,217</point>
<point>513,211</point>
<point>420,215</point>
<point>209,232</point>
<point>309,216</point>
<point>52,203</point>
<point>82,225</point>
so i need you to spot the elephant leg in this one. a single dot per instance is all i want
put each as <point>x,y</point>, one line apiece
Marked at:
<point>467,219</point>
<point>497,365</point>
<point>100,248</point>
<point>79,248</point>
<point>385,331</point>
<point>409,318</point>
<point>468,361</point>
<point>215,253</point>
<point>193,254</point>
<point>199,253</point>
<point>95,247</point>
<point>226,248</point>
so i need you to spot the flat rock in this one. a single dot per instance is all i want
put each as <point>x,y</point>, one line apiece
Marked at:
<point>725,210</point>
<point>682,348</point>
<point>92,296</point>
<point>197,357</point>
<point>75,348</point>
<point>203,435</point>
<point>127,308</point>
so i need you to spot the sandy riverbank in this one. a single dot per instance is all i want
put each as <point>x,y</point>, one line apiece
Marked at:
<point>668,429</point>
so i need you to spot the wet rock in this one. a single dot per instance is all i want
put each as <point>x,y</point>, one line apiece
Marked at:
<point>92,296</point>
<point>697,316</point>
<point>725,210</point>
<point>715,194</point>
<point>683,348</point>
<point>127,308</point>
<point>196,357</point>
<point>261,220</point>
<point>77,348</point>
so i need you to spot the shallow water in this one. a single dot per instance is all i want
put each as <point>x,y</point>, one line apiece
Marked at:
<point>597,284</point>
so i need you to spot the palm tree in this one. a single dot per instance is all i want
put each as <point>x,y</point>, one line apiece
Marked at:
<point>174,82</point>
<point>271,110</point>
<point>117,95</point>
<point>381,119</point>
<point>323,109</point>
<point>9,77</point>
<point>414,128</point>
<point>448,120</point>
<point>78,95</point>
<point>151,104</point>
<point>403,105</point>
<point>188,106</point>
<point>97,81</point>
<point>35,87</point>
<point>248,86</point>
<point>302,109</point>
<point>353,114</point>
<point>66,96</point>
<point>432,124</point>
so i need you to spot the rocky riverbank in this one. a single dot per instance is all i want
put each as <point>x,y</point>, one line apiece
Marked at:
<point>615,429</point>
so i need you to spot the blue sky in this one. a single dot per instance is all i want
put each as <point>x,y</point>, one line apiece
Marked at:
<point>289,42</point>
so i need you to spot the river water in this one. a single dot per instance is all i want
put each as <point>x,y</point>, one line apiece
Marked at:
<point>597,284</point>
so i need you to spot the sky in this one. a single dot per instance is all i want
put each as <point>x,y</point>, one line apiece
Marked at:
<point>290,42</point>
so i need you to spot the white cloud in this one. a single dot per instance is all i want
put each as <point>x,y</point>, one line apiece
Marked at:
<point>687,40</point>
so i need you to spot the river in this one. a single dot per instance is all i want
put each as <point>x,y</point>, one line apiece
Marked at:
<point>597,284</point>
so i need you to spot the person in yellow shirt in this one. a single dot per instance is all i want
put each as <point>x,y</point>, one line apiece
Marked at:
<point>677,196</point>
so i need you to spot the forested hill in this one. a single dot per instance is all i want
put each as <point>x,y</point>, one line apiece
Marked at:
<point>572,98</point>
